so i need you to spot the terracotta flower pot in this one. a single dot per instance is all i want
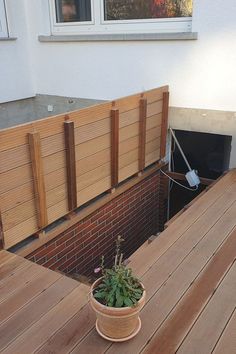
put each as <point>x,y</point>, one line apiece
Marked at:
<point>117,324</point>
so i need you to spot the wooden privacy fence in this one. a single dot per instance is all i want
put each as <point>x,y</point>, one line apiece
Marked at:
<point>52,166</point>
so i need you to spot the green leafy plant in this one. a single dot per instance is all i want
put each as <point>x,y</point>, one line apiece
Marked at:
<point>118,287</point>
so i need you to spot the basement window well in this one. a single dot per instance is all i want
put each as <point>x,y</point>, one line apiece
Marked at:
<point>207,153</point>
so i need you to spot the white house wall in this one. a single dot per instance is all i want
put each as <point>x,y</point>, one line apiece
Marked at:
<point>201,73</point>
<point>16,78</point>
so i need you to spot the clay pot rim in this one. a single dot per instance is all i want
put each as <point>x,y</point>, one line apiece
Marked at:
<point>120,310</point>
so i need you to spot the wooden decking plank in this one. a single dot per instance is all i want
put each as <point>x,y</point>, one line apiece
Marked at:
<point>67,337</point>
<point>5,256</point>
<point>9,266</point>
<point>227,342</point>
<point>94,344</point>
<point>173,289</point>
<point>169,260</point>
<point>172,332</point>
<point>166,239</point>
<point>141,264</point>
<point>18,278</point>
<point>195,239</point>
<point>53,320</point>
<point>25,294</point>
<point>213,319</point>
<point>25,317</point>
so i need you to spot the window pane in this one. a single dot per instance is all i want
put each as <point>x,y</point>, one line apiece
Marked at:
<point>73,10</point>
<point>146,9</point>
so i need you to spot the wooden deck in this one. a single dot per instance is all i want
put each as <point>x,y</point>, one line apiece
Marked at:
<point>189,273</point>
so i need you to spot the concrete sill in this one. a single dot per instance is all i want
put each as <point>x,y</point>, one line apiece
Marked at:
<point>4,39</point>
<point>120,37</point>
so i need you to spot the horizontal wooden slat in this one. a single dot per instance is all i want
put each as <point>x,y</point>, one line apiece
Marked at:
<point>52,144</point>
<point>20,232</point>
<point>129,132</point>
<point>129,117</point>
<point>153,133</point>
<point>93,190</point>
<point>17,196</point>
<point>153,121</point>
<point>93,176</point>
<point>91,131</point>
<point>55,179</point>
<point>131,102</point>
<point>56,195</point>
<point>128,171</point>
<point>14,158</point>
<point>57,211</point>
<point>17,136</point>
<point>152,157</point>
<point>155,94</point>
<point>54,162</point>
<point>154,108</point>
<point>128,145</point>
<point>92,162</point>
<point>153,145</point>
<point>15,216</point>
<point>92,146</point>
<point>91,114</point>
<point>128,158</point>
<point>15,178</point>
<point>127,103</point>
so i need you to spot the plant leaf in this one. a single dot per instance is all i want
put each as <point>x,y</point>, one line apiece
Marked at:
<point>128,302</point>
<point>119,301</point>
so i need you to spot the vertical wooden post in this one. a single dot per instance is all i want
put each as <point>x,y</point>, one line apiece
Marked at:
<point>142,132</point>
<point>70,164</point>
<point>38,177</point>
<point>1,233</point>
<point>114,147</point>
<point>164,123</point>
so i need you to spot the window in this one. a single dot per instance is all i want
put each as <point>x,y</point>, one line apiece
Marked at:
<point>120,16</point>
<point>3,20</point>
<point>73,11</point>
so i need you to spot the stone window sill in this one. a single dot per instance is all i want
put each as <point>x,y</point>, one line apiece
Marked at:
<point>5,39</point>
<point>120,37</point>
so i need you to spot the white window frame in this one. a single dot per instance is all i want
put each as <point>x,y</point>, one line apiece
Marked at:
<point>3,20</point>
<point>99,25</point>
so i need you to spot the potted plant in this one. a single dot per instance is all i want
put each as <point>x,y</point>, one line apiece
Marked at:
<point>117,298</point>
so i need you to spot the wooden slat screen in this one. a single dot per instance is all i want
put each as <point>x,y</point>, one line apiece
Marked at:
<point>51,166</point>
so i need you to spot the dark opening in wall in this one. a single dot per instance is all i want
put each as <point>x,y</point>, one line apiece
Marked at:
<point>209,154</point>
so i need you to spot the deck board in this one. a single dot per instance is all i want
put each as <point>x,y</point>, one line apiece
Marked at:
<point>227,341</point>
<point>189,272</point>
<point>213,319</point>
<point>185,221</point>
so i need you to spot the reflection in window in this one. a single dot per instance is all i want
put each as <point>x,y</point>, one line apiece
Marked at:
<point>146,9</point>
<point>73,10</point>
